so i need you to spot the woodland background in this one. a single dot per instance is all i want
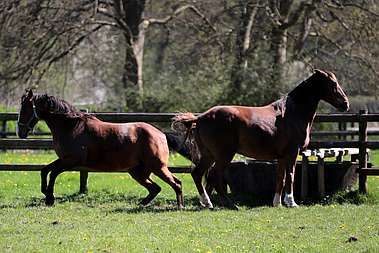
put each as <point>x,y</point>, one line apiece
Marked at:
<point>164,56</point>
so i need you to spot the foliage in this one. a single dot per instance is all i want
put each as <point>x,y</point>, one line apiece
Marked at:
<point>195,54</point>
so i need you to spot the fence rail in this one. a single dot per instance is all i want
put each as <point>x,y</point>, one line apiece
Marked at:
<point>38,167</point>
<point>362,133</point>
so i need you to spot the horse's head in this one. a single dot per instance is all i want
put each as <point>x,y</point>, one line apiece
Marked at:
<point>331,91</point>
<point>27,117</point>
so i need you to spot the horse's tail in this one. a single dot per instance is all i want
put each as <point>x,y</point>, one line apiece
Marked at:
<point>185,124</point>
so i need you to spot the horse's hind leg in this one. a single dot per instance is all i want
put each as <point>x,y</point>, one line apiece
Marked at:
<point>210,182</point>
<point>174,182</point>
<point>140,175</point>
<point>180,183</point>
<point>197,176</point>
<point>219,169</point>
<point>280,177</point>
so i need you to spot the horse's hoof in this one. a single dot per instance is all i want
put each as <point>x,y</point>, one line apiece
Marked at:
<point>289,201</point>
<point>142,204</point>
<point>50,201</point>
<point>234,208</point>
<point>205,201</point>
<point>277,204</point>
<point>206,205</point>
<point>230,205</point>
<point>292,205</point>
<point>180,207</point>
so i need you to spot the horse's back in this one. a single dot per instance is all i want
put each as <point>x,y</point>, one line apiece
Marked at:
<point>140,134</point>
<point>126,145</point>
<point>250,131</point>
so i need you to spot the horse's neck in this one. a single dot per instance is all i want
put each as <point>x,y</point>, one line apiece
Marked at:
<point>305,100</point>
<point>60,124</point>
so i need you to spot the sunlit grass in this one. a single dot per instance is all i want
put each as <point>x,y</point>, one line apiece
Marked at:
<point>45,157</point>
<point>108,218</point>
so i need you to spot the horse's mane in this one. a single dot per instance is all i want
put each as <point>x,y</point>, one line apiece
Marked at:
<point>59,106</point>
<point>303,92</point>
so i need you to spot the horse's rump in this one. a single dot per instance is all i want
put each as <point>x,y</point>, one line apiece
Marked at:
<point>183,122</point>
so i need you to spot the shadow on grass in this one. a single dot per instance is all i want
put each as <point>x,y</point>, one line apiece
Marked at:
<point>338,198</point>
<point>108,200</point>
<point>104,198</point>
<point>246,200</point>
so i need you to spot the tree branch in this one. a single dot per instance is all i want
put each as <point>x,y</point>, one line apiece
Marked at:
<point>165,20</point>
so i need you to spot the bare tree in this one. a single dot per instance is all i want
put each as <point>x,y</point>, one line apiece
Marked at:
<point>39,33</point>
<point>248,47</point>
<point>248,10</point>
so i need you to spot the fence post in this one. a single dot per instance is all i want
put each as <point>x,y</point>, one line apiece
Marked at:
<point>362,151</point>
<point>83,189</point>
<point>352,126</point>
<point>321,177</point>
<point>83,182</point>
<point>4,129</point>
<point>304,177</point>
<point>3,133</point>
<point>342,127</point>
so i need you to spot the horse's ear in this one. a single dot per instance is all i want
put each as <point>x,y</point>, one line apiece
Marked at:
<point>29,93</point>
<point>320,72</point>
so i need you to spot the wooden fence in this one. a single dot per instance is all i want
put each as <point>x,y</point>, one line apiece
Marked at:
<point>361,142</point>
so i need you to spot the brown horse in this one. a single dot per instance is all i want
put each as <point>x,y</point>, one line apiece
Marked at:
<point>82,140</point>
<point>275,131</point>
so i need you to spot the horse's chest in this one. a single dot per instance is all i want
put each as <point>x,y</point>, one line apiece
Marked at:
<point>300,134</point>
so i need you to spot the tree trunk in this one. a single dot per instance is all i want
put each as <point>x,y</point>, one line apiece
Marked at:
<point>279,50</point>
<point>131,14</point>
<point>133,66</point>
<point>279,42</point>
<point>243,42</point>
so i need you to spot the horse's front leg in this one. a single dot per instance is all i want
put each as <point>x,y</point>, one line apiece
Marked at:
<point>280,177</point>
<point>60,167</point>
<point>44,172</point>
<point>289,199</point>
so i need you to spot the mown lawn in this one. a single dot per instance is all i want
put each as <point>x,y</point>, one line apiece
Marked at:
<point>108,218</point>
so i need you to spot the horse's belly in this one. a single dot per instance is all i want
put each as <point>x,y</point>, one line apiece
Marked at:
<point>262,148</point>
<point>259,152</point>
<point>108,167</point>
<point>112,161</point>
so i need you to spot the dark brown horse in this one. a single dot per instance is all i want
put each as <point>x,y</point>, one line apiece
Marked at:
<point>275,131</point>
<point>82,140</point>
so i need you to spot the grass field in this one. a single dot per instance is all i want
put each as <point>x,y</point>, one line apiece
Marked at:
<point>108,218</point>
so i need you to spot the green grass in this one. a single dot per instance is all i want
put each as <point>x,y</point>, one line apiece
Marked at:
<point>108,218</point>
